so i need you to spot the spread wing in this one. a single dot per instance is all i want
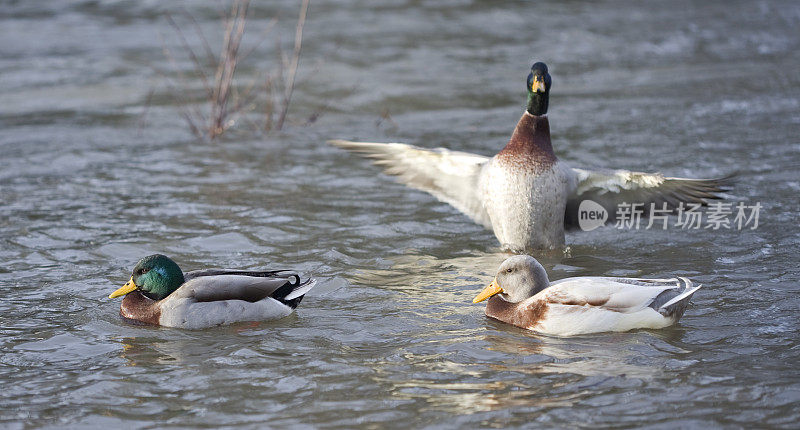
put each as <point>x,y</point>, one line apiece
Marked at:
<point>609,188</point>
<point>450,176</point>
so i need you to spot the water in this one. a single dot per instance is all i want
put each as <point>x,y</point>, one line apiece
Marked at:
<point>95,174</point>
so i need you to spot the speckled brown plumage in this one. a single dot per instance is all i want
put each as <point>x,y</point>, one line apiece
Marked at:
<point>530,146</point>
<point>527,317</point>
<point>135,306</point>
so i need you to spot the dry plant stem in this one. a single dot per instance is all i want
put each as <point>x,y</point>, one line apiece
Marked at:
<point>143,117</point>
<point>269,108</point>
<point>210,57</point>
<point>275,85</point>
<point>298,44</point>
<point>197,65</point>
<point>227,103</point>
<point>185,113</point>
<point>223,79</point>
<point>262,37</point>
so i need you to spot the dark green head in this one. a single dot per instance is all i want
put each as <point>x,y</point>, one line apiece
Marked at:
<point>539,82</point>
<point>156,276</point>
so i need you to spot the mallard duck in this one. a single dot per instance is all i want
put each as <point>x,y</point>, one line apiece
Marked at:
<point>525,194</point>
<point>522,295</point>
<point>159,293</point>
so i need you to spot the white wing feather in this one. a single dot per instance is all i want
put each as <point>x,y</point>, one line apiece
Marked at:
<point>617,294</point>
<point>609,188</point>
<point>450,176</point>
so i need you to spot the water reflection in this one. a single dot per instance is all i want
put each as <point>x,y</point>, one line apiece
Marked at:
<point>521,369</point>
<point>145,351</point>
<point>604,355</point>
<point>184,347</point>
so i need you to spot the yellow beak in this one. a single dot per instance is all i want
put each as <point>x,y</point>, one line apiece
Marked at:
<point>487,292</point>
<point>125,289</point>
<point>537,85</point>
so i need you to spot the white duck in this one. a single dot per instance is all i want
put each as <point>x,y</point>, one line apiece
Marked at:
<point>522,295</point>
<point>524,193</point>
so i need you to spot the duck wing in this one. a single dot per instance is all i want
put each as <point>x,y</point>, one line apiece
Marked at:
<point>622,295</point>
<point>609,188</point>
<point>254,273</point>
<point>212,285</point>
<point>450,176</point>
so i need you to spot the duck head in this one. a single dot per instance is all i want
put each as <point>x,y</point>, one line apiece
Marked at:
<point>518,278</point>
<point>539,82</point>
<point>156,276</point>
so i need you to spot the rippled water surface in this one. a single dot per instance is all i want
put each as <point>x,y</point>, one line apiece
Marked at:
<point>98,168</point>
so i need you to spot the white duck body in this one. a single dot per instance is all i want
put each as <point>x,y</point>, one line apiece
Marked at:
<point>524,189</point>
<point>595,304</point>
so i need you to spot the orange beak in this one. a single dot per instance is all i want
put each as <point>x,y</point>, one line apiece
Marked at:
<point>537,86</point>
<point>487,292</point>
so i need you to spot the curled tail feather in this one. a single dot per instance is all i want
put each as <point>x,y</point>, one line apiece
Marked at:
<point>676,305</point>
<point>292,293</point>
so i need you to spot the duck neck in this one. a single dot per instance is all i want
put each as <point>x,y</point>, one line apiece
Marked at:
<point>135,306</point>
<point>537,103</point>
<point>531,138</point>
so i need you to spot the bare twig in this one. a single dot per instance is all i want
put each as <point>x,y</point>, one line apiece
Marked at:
<point>386,116</point>
<point>280,82</point>
<point>228,102</point>
<point>261,39</point>
<point>298,45</point>
<point>223,79</point>
<point>143,117</point>
<point>181,77</point>
<point>269,108</point>
<point>210,57</point>
<point>195,129</point>
<point>189,112</point>
<point>197,65</point>
<point>311,74</point>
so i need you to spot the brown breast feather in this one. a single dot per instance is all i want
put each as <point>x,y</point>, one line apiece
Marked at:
<point>568,299</point>
<point>518,314</point>
<point>530,145</point>
<point>136,306</point>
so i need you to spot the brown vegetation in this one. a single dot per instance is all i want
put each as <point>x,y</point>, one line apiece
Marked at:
<point>227,101</point>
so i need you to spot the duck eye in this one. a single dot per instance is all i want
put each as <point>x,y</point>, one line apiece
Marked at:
<point>509,270</point>
<point>143,271</point>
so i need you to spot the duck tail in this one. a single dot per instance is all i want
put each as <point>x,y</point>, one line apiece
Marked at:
<point>292,293</point>
<point>677,305</point>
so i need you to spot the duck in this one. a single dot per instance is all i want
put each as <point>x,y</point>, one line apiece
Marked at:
<point>524,193</point>
<point>159,293</point>
<point>522,295</point>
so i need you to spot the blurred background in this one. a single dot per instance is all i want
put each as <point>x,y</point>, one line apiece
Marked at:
<point>122,137</point>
